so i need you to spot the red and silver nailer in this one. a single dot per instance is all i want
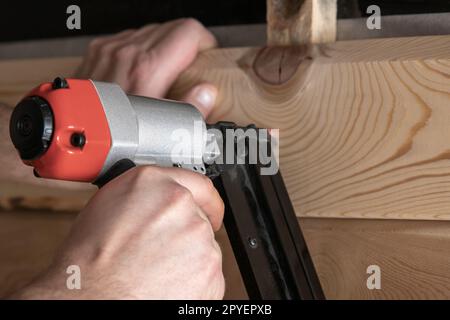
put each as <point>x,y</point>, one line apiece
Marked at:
<point>83,130</point>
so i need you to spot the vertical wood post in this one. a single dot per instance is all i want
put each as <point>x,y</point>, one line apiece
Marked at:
<point>295,22</point>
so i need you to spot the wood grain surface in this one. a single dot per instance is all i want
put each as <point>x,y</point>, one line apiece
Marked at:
<point>413,255</point>
<point>363,124</point>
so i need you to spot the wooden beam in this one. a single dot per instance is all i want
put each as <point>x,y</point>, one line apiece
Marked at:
<point>412,255</point>
<point>295,22</point>
<point>363,123</point>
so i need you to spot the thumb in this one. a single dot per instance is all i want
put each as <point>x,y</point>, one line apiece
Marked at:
<point>203,97</point>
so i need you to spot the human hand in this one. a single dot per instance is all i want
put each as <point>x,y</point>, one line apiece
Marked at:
<point>147,234</point>
<point>147,61</point>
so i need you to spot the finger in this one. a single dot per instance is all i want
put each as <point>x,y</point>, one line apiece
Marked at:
<point>142,36</point>
<point>118,41</point>
<point>173,53</point>
<point>121,54</point>
<point>144,32</point>
<point>203,191</point>
<point>131,52</point>
<point>152,36</point>
<point>125,53</point>
<point>203,97</point>
<point>106,58</point>
<point>180,47</point>
<point>93,53</point>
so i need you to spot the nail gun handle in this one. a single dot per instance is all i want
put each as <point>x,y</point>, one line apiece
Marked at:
<point>116,170</point>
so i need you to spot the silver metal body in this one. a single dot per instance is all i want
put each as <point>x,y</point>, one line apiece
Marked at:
<point>152,131</point>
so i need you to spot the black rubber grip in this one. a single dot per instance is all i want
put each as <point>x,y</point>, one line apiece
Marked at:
<point>116,170</point>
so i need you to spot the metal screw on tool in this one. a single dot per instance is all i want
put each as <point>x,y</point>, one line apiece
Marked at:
<point>253,243</point>
<point>78,140</point>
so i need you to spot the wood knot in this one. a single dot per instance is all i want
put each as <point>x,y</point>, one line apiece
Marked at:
<point>276,65</point>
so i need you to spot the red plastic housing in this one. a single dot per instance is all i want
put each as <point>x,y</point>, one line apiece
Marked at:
<point>76,109</point>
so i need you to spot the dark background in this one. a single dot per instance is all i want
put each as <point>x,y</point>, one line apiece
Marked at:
<point>22,20</point>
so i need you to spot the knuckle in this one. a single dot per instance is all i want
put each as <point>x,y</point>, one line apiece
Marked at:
<point>149,27</point>
<point>202,233</point>
<point>126,52</point>
<point>142,171</point>
<point>145,63</point>
<point>141,175</point>
<point>181,194</point>
<point>212,191</point>
<point>208,182</point>
<point>105,48</point>
<point>216,259</point>
<point>191,24</point>
<point>207,257</point>
<point>209,185</point>
<point>211,250</point>
<point>127,32</point>
<point>94,44</point>
<point>150,56</point>
<point>202,230</point>
<point>222,208</point>
<point>150,59</point>
<point>213,265</point>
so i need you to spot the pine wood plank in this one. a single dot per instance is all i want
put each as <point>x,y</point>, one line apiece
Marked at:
<point>413,255</point>
<point>364,124</point>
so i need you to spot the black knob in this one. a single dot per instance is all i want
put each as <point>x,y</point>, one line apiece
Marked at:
<point>60,83</point>
<point>31,127</point>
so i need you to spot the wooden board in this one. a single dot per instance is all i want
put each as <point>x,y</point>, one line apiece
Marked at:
<point>28,242</point>
<point>413,256</point>
<point>364,124</point>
